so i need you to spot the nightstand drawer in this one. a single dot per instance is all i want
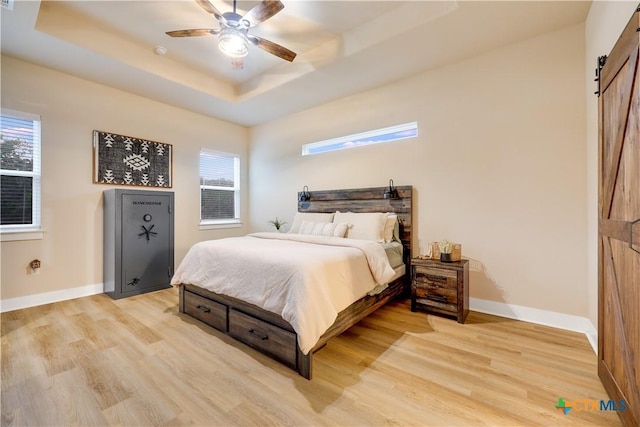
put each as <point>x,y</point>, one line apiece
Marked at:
<point>434,277</point>
<point>439,306</point>
<point>436,272</point>
<point>435,292</point>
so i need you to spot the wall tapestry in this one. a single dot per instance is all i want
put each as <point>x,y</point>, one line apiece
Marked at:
<point>124,160</point>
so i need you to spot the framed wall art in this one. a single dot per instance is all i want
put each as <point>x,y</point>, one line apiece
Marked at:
<point>125,160</point>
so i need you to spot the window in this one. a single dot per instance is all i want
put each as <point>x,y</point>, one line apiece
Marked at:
<point>19,171</point>
<point>378,136</point>
<point>219,188</point>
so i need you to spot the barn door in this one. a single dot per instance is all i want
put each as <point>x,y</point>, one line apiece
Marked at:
<point>619,225</point>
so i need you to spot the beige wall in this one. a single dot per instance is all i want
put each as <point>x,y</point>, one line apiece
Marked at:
<point>604,25</point>
<point>71,108</point>
<point>499,166</point>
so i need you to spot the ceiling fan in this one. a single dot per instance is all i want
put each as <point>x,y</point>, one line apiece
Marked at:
<point>233,37</point>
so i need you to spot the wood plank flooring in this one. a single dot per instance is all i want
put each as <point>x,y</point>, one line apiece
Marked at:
<point>137,361</point>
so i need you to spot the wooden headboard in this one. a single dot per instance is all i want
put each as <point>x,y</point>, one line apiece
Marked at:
<point>365,200</point>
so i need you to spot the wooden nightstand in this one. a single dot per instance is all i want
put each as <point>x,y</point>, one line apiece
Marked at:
<point>440,287</point>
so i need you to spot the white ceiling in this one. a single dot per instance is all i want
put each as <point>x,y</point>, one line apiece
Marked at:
<point>343,47</point>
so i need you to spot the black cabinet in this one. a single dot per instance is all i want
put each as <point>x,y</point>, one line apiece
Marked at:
<point>138,241</point>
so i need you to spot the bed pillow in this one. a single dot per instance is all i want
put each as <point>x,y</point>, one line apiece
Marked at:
<point>309,216</point>
<point>389,226</point>
<point>330,229</point>
<point>365,226</point>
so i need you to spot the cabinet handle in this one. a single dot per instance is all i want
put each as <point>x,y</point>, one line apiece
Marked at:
<point>134,282</point>
<point>204,308</point>
<point>254,332</point>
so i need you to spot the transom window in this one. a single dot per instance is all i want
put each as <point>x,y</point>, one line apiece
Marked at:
<point>378,136</point>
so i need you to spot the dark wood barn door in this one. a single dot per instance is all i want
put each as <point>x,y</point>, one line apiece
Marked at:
<point>619,225</point>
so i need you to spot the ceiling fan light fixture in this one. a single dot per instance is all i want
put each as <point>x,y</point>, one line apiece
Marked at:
<point>233,42</point>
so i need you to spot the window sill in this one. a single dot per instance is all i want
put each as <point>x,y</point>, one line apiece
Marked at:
<point>18,235</point>
<point>220,225</point>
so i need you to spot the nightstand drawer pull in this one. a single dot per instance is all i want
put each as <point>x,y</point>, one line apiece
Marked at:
<point>440,272</point>
<point>440,298</point>
<point>436,279</point>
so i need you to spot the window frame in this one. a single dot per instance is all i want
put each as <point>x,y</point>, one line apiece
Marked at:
<point>206,224</point>
<point>33,230</point>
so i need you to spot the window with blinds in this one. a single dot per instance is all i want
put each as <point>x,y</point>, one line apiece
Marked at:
<point>219,187</point>
<point>19,171</point>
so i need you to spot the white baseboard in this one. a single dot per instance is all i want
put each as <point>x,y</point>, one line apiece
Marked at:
<point>541,317</point>
<point>49,297</point>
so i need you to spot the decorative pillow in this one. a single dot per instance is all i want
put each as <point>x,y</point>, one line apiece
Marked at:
<point>365,226</point>
<point>389,225</point>
<point>330,229</point>
<point>309,216</point>
<point>396,232</point>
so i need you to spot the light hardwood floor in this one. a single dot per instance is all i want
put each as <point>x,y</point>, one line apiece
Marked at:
<point>137,361</point>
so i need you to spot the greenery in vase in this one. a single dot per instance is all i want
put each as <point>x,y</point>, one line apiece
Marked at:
<point>277,224</point>
<point>445,246</point>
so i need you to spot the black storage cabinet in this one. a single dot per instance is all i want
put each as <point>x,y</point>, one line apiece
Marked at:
<point>138,241</point>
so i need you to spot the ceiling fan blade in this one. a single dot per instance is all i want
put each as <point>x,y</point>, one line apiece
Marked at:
<point>272,48</point>
<point>263,11</point>
<point>193,33</point>
<point>206,5</point>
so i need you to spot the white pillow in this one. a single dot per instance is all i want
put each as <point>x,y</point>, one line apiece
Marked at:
<point>331,229</point>
<point>389,225</point>
<point>309,216</point>
<point>365,226</point>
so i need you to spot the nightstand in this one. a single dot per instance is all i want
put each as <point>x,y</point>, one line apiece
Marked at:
<point>440,287</point>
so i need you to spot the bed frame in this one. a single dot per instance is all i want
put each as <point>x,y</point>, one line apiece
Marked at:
<point>270,333</point>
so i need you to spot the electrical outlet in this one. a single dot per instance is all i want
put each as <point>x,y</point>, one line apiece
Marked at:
<point>34,266</point>
<point>475,265</point>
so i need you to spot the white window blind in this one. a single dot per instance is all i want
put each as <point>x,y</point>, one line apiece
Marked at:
<point>19,171</point>
<point>219,187</point>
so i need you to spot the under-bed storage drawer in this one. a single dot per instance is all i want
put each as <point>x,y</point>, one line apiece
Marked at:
<point>273,340</point>
<point>210,312</point>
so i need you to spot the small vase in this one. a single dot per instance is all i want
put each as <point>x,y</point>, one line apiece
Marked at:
<point>445,257</point>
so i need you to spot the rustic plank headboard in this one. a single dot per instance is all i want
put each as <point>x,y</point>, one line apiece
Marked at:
<point>365,200</point>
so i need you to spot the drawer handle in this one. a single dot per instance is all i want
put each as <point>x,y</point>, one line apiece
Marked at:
<point>262,337</point>
<point>204,308</point>
<point>437,297</point>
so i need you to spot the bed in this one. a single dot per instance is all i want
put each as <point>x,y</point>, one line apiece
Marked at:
<point>272,330</point>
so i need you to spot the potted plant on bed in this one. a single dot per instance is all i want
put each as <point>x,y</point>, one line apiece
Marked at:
<point>277,224</point>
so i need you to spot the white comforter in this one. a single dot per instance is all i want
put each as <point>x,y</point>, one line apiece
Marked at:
<point>307,280</point>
